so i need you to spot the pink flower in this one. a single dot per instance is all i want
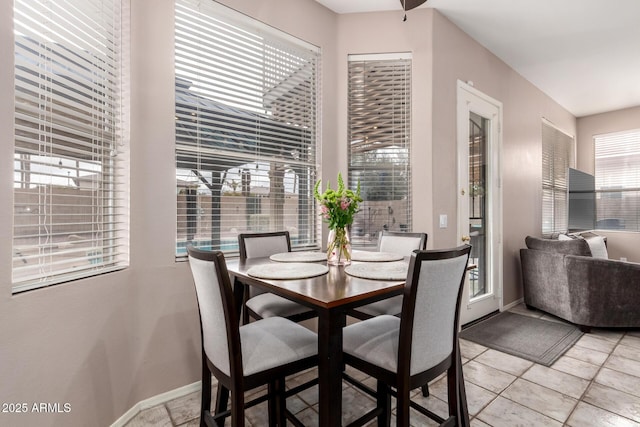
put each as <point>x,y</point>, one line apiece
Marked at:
<point>344,204</point>
<point>324,209</point>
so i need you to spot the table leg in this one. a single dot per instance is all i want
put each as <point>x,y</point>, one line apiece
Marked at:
<point>330,367</point>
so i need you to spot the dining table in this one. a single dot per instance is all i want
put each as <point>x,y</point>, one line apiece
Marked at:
<point>331,294</point>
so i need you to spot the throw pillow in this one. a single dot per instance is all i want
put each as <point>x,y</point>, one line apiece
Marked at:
<point>598,247</point>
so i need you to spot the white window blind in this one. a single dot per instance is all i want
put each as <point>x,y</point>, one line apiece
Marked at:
<point>617,173</point>
<point>246,129</point>
<point>557,157</point>
<point>379,120</point>
<point>70,192</point>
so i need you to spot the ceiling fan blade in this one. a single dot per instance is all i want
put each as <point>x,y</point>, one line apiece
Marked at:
<point>410,4</point>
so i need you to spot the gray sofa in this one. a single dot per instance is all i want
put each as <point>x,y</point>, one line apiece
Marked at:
<point>561,278</point>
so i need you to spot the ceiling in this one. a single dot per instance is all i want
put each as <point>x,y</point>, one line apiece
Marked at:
<point>585,54</point>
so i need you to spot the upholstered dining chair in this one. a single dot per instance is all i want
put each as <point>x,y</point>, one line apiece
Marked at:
<point>400,243</point>
<point>404,353</point>
<point>243,357</point>
<point>259,304</point>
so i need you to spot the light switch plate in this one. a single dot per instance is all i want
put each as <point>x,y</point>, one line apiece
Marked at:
<point>443,221</point>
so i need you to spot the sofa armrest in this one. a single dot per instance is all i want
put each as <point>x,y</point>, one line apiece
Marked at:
<point>604,293</point>
<point>544,281</point>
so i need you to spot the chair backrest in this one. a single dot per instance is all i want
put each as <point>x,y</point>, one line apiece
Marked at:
<point>402,243</point>
<point>257,245</point>
<point>219,324</point>
<point>434,284</point>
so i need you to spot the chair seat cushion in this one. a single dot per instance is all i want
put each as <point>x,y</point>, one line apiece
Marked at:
<point>271,305</point>
<point>272,342</point>
<point>391,306</point>
<point>374,340</point>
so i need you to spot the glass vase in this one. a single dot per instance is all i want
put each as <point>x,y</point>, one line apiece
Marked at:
<point>339,247</point>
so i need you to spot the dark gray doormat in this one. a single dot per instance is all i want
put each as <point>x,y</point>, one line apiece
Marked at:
<point>541,341</point>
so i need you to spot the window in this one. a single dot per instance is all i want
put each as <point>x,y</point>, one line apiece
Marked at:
<point>246,129</point>
<point>379,109</point>
<point>557,157</point>
<point>70,197</point>
<point>617,172</point>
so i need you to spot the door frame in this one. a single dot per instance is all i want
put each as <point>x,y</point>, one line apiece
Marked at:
<point>494,239</point>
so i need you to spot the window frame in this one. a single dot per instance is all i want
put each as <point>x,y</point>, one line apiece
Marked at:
<point>262,126</point>
<point>71,211</point>
<point>555,207</point>
<point>388,126</point>
<point>623,176</point>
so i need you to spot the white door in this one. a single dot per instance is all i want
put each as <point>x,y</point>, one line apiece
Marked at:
<point>480,200</point>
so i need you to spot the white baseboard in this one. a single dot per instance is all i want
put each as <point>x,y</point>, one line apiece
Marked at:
<point>156,400</point>
<point>513,304</point>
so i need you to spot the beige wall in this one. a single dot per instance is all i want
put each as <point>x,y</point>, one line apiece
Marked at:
<point>619,244</point>
<point>458,57</point>
<point>104,344</point>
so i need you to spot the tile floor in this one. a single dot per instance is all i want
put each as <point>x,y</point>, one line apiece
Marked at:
<point>595,383</point>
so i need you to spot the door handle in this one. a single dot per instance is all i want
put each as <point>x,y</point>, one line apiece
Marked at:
<point>465,238</point>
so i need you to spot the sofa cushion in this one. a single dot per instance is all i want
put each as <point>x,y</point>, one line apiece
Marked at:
<point>568,247</point>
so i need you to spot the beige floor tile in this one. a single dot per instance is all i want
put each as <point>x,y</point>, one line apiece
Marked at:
<point>555,380</point>
<point>469,349</point>
<point>619,380</point>
<point>258,415</point>
<point>477,423</point>
<point>506,413</point>
<point>587,355</point>
<point>355,404</point>
<point>504,362</point>
<point>308,417</point>
<point>296,405</point>
<point>433,404</point>
<point>613,400</point>
<point>596,343</point>
<point>607,334</point>
<point>309,396</point>
<point>477,397</point>
<point>156,416</point>
<point>184,408</point>
<point>541,399</point>
<point>589,415</point>
<point>622,364</point>
<point>576,367</point>
<point>487,377</point>
<point>628,352</point>
<point>631,339</point>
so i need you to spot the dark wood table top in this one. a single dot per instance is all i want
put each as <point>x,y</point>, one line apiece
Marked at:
<point>331,290</point>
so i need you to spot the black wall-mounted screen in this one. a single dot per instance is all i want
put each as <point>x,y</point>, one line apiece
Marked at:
<point>582,200</point>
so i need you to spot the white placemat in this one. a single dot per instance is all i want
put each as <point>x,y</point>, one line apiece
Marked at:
<point>289,270</point>
<point>396,270</point>
<point>307,256</point>
<point>369,256</point>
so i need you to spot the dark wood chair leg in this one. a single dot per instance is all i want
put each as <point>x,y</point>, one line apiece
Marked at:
<point>205,402</point>
<point>272,403</point>
<point>237,409</point>
<point>425,390</point>
<point>402,406</point>
<point>281,403</point>
<point>383,397</point>
<point>222,401</point>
